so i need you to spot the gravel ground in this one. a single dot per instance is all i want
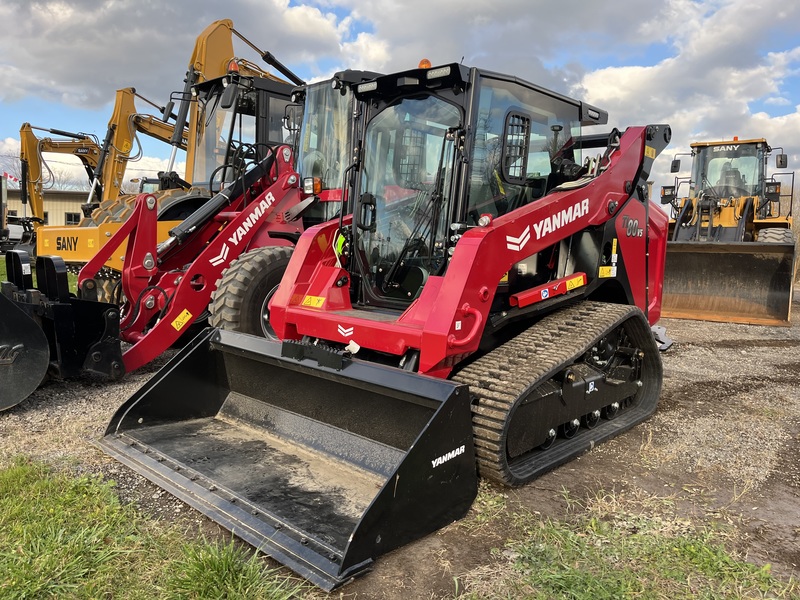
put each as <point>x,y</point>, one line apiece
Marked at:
<point>726,437</point>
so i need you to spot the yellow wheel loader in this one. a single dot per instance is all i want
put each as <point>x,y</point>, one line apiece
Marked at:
<point>731,249</point>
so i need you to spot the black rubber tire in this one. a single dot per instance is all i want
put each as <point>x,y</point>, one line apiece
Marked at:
<point>776,235</point>
<point>108,290</point>
<point>236,303</point>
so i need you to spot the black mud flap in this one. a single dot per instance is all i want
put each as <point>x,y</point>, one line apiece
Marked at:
<point>737,282</point>
<point>322,468</point>
<point>24,354</point>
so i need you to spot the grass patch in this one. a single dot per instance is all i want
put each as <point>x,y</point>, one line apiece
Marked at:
<point>621,548</point>
<point>67,537</point>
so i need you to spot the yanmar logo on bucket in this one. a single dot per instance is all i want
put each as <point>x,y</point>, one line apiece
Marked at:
<point>450,455</point>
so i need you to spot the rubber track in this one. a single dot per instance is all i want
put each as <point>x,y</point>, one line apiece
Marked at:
<point>504,375</point>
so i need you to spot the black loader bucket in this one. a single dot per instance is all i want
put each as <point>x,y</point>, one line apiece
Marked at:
<point>738,282</point>
<point>24,354</point>
<point>45,329</point>
<point>321,467</point>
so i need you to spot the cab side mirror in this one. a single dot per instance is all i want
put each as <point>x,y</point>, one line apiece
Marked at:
<point>781,161</point>
<point>675,166</point>
<point>229,95</point>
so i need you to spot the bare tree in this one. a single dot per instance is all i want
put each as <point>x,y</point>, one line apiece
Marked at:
<point>10,164</point>
<point>63,179</point>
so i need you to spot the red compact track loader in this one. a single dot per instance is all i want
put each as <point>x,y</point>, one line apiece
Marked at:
<point>486,301</point>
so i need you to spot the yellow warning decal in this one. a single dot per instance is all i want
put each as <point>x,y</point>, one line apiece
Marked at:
<point>614,246</point>
<point>182,320</point>
<point>650,152</point>
<point>575,282</point>
<point>607,272</point>
<point>504,278</point>
<point>314,301</point>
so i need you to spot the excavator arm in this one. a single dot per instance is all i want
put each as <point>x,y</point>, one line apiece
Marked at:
<point>36,175</point>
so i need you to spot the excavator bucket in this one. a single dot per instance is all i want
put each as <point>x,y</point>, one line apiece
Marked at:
<point>322,462</point>
<point>738,282</point>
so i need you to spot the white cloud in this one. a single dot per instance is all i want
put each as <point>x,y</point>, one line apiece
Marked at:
<point>715,58</point>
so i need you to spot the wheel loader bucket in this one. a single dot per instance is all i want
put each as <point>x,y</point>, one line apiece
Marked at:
<point>322,463</point>
<point>739,282</point>
<point>24,354</point>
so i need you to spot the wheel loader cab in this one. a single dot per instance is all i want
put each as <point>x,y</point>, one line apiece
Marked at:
<point>238,117</point>
<point>441,151</point>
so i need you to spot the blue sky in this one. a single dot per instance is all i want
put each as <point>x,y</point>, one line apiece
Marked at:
<point>712,69</point>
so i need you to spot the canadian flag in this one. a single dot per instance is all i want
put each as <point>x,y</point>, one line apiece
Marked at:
<point>10,177</point>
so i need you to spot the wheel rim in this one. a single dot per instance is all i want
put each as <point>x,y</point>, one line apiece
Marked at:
<point>266,328</point>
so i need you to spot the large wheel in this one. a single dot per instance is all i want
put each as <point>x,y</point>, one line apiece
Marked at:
<point>240,301</point>
<point>776,235</point>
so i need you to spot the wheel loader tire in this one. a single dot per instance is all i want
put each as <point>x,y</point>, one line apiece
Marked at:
<point>776,235</point>
<point>109,291</point>
<point>239,302</point>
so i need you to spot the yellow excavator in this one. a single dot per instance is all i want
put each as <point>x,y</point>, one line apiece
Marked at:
<point>104,164</point>
<point>201,133</point>
<point>731,250</point>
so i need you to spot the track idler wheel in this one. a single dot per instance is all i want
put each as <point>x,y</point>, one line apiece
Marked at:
<point>551,438</point>
<point>591,419</point>
<point>569,429</point>
<point>610,412</point>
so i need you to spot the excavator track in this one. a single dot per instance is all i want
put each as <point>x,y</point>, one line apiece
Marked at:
<point>574,379</point>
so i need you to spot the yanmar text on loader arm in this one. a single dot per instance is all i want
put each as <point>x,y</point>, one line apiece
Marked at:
<point>482,307</point>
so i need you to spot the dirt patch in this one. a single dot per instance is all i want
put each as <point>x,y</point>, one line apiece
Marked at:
<point>722,447</point>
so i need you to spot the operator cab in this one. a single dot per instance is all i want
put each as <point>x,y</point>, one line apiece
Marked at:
<point>445,149</point>
<point>239,118</point>
<point>326,114</point>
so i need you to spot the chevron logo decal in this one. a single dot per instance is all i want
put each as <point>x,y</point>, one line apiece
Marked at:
<point>220,258</point>
<point>345,331</point>
<point>518,243</point>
